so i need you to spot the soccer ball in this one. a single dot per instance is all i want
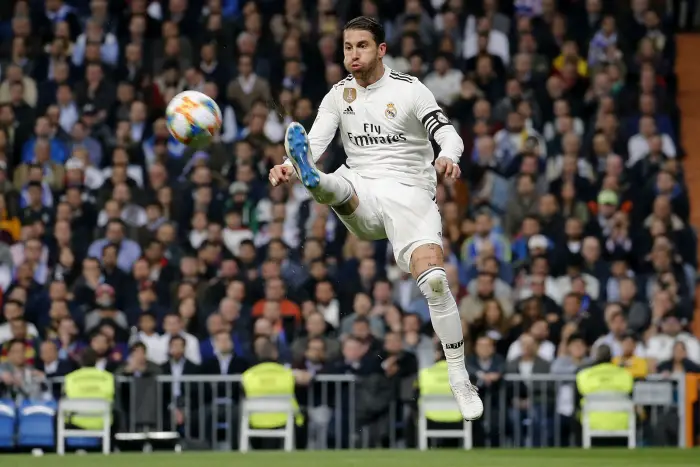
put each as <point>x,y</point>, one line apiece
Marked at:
<point>193,118</point>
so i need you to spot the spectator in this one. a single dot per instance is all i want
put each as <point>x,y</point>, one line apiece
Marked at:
<point>173,326</point>
<point>315,329</point>
<point>20,381</point>
<point>637,366</point>
<point>660,347</point>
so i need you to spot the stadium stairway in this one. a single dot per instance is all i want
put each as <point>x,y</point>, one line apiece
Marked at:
<point>688,71</point>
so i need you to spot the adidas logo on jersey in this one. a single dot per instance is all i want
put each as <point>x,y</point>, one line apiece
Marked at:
<point>349,111</point>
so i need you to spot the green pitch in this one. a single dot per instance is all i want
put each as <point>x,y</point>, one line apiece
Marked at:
<point>371,458</point>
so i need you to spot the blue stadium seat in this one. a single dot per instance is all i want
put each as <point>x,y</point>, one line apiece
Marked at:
<point>83,443</point>
<point>8,420</point>
<point>37,424</point>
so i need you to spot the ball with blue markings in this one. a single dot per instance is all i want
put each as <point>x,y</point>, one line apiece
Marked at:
<point>193,118</point>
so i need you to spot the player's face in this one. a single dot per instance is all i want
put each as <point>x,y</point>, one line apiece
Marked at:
<point>361,53</point>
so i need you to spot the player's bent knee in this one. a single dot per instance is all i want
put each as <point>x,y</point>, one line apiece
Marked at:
<point>434,286</point>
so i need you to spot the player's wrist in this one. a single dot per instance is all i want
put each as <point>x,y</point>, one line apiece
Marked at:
<point>449,157</point>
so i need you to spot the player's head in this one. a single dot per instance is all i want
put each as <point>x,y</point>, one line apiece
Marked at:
<point>363,46</point>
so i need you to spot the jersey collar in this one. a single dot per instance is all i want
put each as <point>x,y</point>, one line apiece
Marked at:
<point>381,80</point>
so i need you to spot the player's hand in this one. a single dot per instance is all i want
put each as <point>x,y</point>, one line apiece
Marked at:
<point>281,174</point>
<point>445,166</point>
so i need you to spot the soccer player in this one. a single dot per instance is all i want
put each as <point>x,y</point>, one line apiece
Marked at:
<point>387,187</point>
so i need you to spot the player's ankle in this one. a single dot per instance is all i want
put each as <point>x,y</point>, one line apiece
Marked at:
<point>456,366</point>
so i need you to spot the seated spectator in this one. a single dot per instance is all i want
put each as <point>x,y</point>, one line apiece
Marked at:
<point>637,312</point>
<point>265,328</point>
<point>570,53</point>
<point>129,251</point>
<point>639,144</point>
<point>361,333</point>
<point>361,308</point>
<point>148,335</point>
<point>539,331</point>
<point>617,330</point>
<point>19,332</point>
<point>396,362</point>
<point>471,306</point>
<point>660,346</point>
<point>106,311</point>
<point>489,264</point>
<point>417,342</point>
<point>173,326</point>
<point>571,359</point>
<point>327,303</point>
<point>275,291</point>
<point>19,380</point>
<point>224,362</point>
<point>637,366</point>
<point>315,329</point>
<point>679,364</point>
<point>485,231</point>
<point>314,359</point>
<point>528,399</point>
<point>68,340</point>
<point>485,366</point>
<point>494,324</point>
<point>14,309</point>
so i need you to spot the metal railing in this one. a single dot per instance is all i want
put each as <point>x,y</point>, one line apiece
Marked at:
<point>533,411</point>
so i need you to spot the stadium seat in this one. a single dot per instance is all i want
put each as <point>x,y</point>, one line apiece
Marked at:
<point>86,407</point>
<point>8,419</point>
<point>440,404</point>
<point>36,424</point>
<point>267,404</point>
<point>610,403</point>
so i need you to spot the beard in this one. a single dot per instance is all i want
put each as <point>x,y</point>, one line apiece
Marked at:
<point>365,73</point>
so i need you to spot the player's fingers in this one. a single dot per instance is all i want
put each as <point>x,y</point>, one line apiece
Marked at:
<point>456,171</point>
<point>287,173</point>
<point>277,174</point>
<point>273,180</point>
<point>448,170</point>
<point>439,167</point>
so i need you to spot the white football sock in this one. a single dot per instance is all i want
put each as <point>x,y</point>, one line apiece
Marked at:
<point>332,189</point>
<point>445,318</point>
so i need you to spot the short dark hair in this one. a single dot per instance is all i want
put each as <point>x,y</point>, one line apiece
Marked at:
<point>137,345</point>
<point>178,338</point>
<point>88,358</point>
<point>365,23</point>
<point>12,342</point>
<point>361,320</point>
<point>603,354</point>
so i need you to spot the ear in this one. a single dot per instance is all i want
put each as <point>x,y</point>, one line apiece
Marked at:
<point>382,49</point>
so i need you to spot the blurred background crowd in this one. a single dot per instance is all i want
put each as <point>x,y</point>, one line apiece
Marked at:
<point>569,230</point>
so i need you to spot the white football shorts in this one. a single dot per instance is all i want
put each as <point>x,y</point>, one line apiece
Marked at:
<point>406,215</point>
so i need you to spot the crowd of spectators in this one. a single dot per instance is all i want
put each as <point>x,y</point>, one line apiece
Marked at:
<point>569,230</point>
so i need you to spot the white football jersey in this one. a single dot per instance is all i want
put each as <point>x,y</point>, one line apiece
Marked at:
<point>385,127</point>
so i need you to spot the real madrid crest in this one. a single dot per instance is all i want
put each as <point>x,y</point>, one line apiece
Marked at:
<point>390,111</point>
<point>349,94</point>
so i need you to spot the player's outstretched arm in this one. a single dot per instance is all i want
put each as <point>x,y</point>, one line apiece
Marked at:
<point>439,128</point>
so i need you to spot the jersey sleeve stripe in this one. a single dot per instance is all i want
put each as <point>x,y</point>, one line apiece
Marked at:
<point>398,77</point>
<point>432,123</point>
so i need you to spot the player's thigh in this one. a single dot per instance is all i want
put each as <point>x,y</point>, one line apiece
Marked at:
<point>412,223</point>
<point>366,222</point>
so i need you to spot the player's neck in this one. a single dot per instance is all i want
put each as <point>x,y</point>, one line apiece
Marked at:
<point>373,77</point>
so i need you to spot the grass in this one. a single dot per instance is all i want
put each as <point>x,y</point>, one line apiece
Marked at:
<point>404,458</point>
